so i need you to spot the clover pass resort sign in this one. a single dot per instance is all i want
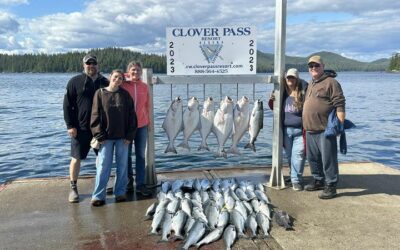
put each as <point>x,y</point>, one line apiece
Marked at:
<point>211,50</point>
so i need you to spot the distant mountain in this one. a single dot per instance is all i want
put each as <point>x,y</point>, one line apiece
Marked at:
<point>333,61</point>
<point>114,58</point>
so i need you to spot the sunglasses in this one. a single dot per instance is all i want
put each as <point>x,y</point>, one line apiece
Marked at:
<point>91,63</point>
<point>314,65</point>
<point>291,78</point>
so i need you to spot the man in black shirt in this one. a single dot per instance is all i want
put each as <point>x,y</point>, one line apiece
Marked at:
<point>77,112</point>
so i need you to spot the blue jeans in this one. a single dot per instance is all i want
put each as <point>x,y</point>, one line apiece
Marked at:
<point>294,149</point>
<point>105,160</point>
<point>140,141</point>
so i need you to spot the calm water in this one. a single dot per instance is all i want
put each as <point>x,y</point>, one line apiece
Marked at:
<point>34,142</point>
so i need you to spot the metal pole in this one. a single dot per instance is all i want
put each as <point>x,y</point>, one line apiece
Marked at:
<point>151,177</point>
<point>237,91</point>
<point>276,179</point>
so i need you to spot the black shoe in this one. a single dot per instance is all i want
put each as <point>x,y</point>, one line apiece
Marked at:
<point>328,193</point>
<point>142,190</point>
<point>288,180</point>
<point>98,203</point>
<point>110,190</point>
<point>73,195</point>
<point>315,185</point>
<point>120,198</point>
<point>129,187</point>
<point>297,187</point>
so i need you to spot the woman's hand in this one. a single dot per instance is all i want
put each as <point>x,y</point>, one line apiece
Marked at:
<point>127,142</point>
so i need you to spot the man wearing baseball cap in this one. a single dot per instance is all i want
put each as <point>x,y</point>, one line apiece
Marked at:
<point>77,112</point>
<point>323,94</point>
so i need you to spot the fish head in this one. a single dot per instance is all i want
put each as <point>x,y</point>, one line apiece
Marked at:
<point>226,104</point>
<point>242,102</point>
<point>193,103</point>
<point>208,104</point>
<point>258,105</point>
<point>176,103</point>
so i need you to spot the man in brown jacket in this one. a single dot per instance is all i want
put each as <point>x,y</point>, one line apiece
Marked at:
<point>324,93</point>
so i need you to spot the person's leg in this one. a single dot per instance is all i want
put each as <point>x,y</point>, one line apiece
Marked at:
<point>287,146</point>
<point>297,157</point>
<point>74,167</point>
<point>103,170</point>
<point>80,146</point>
<point>121,177</point>
<point>330,160</point>
<point>129,187</point>
<point>140,153</point>
<point>331,168</point>
<point>315,161</point>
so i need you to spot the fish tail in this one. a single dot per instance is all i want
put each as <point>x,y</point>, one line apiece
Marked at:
<point>234,150</point>
<point>204,146</point>
<point>170,149</point>
<point>251,146</point>
<point>184,144</point>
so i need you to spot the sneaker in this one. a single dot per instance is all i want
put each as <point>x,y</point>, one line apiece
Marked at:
<point>73,195</point>
<point>129,187</point>
<point>315,185</point>
<point>297,187</point>
<point>142,190</point>
<point>98,203</point>
<point>328,193</point>
<point>120,198</point>
<point>288,179</point>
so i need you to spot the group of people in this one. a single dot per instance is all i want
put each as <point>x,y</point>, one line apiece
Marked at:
<point>305,111</point>
<point>115,112</point>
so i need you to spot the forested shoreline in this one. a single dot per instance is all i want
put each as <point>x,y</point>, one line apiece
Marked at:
<point>118,58</point>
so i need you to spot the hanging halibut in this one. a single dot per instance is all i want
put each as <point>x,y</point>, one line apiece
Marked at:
<point>191,121</point>
<point>256,123</point>
<point>241,118</point>
<point>173,123</point>
<point>223,124</point>
<point>206,121</point>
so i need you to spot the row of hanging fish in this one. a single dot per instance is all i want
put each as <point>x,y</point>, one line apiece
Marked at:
<point>228,120</point>
<point>200,212</point>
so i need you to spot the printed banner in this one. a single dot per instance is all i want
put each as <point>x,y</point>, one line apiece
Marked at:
<point>211,50</point>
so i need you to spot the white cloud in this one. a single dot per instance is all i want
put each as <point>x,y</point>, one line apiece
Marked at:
<point>13,2</point>
<point>8,23</point>
<point>369,29</point>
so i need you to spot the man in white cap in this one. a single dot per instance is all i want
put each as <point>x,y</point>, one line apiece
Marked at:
<point>323,94</point>
<point>77,112</point>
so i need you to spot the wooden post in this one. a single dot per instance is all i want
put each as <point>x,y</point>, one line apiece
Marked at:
<point>276,179</point>
<point>151,177</point>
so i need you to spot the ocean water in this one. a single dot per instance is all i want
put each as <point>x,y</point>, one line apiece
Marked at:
<point>34,141</point>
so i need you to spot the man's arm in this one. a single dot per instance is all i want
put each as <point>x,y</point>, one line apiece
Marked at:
<point>341,116</point>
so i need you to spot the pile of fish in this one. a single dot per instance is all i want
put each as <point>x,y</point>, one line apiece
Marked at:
<point>200,212</point>
<point>230,120</point>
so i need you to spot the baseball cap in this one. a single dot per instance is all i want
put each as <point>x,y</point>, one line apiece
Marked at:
<point>315,59</point>
<point>293,72</point>
<point>89,58</point>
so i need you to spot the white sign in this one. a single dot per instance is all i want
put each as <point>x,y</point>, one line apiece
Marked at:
<point>211,50</point>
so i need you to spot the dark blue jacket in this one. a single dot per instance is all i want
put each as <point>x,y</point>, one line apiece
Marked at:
<point>335,128</point>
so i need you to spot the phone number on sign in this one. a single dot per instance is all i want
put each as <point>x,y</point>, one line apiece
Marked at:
<point>210,71</point>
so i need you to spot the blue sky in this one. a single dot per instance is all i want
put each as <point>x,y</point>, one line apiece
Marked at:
<point>364,30</point>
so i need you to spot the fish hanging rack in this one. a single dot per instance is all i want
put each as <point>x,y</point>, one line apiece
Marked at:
<point>204,80</point>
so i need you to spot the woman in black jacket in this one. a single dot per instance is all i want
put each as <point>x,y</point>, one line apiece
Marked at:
<point>113,124</point>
